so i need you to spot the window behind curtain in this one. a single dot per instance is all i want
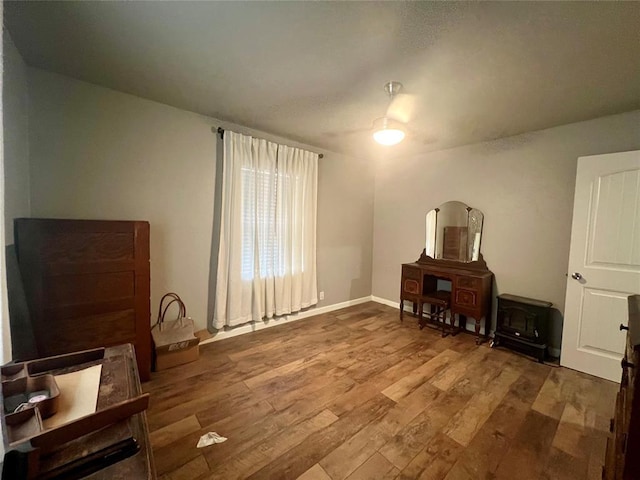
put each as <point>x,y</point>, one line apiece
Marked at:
<point>258,213</point>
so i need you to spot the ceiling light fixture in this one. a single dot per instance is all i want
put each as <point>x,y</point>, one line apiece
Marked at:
<point>387,132</point>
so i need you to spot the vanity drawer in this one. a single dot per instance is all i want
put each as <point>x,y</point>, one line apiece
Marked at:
<point>468,283</point>
<point>409,285</point>
<point>411,280</point>
<point>411,272</point>
<point>466,298</point>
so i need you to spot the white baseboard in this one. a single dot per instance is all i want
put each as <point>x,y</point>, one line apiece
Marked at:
<point>255,326</point>
<point>389,303</point>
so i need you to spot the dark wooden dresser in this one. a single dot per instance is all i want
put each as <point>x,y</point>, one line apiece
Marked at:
<point>87,284</point>
<point>471,286</point>
<point>622,460</point>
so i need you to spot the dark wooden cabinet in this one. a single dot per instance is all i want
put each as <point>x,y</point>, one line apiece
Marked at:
<point>623,445</point>
<point>86,284</point>
<point>471,286</point>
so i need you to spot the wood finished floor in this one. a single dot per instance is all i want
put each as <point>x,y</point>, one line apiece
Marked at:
<point>355,394</point>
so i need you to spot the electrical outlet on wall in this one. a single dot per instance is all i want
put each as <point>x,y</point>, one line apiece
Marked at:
<point>321,295</point>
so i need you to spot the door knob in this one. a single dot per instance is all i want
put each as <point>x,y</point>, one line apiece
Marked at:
<point>576,276</point>
<point>623,327</point>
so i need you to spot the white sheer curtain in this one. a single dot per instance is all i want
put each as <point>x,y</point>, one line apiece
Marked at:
<point>267,251</point>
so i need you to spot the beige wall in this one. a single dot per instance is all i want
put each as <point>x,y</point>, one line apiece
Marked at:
<point>15,131</point>
<point>345,228</point>
<point>98,153</point>
<point>523,184</point>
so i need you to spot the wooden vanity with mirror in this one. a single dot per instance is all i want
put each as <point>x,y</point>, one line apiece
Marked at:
<point>451,261</point>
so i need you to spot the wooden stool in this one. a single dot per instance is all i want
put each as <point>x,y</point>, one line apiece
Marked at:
<point>440,302</point>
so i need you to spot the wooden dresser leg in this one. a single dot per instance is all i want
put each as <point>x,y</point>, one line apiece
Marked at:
<point>452,322</point>
<point>401,308</point>
<point>477,328</point>
<point>443,317</point>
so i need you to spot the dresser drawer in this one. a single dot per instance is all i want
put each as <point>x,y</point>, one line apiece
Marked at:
<point>411,286</point>
<point>466,298</point>
<point>411,272</point>
<point>468,283</point>
<point>411,280</point>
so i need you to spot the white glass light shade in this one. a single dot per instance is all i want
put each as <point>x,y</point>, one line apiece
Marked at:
<point>388,136</point>
<point>387,132</point>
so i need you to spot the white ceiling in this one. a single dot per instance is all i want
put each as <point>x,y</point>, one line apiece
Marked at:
<point>314,71</point>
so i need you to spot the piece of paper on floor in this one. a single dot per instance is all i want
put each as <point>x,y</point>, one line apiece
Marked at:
<point>209,439</point>
<point>78,395</point>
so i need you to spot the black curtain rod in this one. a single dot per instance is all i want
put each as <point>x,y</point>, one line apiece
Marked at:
<point>221,133</point>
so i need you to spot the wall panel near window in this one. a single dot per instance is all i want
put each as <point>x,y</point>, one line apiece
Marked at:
<point>86,284</point>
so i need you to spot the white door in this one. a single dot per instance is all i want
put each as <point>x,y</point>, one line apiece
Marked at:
<point>604,262</point>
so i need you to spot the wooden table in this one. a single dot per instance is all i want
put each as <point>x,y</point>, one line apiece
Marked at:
<point>119,383</point>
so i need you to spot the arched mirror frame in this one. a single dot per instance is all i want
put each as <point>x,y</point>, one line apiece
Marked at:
<point>454,233</point>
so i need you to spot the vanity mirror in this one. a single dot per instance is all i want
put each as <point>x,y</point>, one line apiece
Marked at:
<point>454,232</point>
